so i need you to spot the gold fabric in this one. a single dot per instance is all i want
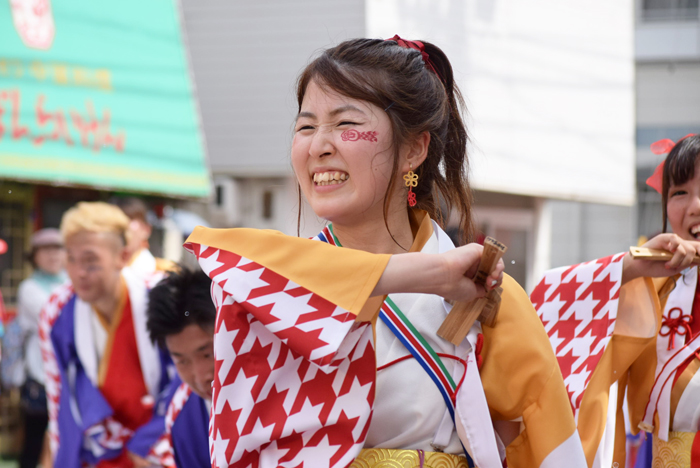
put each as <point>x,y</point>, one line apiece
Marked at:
<point>389,458</point>
<point>672,454</point>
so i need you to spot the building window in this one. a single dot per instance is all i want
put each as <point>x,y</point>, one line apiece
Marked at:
<point>14,230</point>
<point>670,10</point>
<point>646,135</point>
<point>219,195</point>
<point>267,205</point>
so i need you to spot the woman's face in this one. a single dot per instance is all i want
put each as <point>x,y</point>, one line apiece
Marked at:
<point>342,155</point>
<point>683,207</point>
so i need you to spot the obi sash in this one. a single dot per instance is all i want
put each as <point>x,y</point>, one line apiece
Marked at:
<point>681,450</point>
<point>387,458</point>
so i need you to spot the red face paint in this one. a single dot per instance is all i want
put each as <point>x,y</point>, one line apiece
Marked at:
<point>354,135</point>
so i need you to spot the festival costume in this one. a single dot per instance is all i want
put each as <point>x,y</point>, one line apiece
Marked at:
<point>296,368</point>
<point>32,294</point>
<point>186,438</point>
<point>638,339</point>
<point>102,390</point>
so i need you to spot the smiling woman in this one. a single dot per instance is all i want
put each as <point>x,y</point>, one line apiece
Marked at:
<point>328,356</point>
<point>681,188</point>
<point>643,333</point>
<point>347,176</point>
<point>409,107</point>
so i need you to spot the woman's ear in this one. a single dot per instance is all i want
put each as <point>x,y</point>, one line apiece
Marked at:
<point>416,152</point>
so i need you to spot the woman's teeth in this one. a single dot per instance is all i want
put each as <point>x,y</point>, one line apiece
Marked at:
<point>330,178</point>
<point>695,230</point>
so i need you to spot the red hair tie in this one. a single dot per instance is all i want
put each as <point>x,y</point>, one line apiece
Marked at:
<point>661,147</point>
<point>417,45</point>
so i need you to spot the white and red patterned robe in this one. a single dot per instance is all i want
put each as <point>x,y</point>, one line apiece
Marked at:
<point>617,341</point>
<point>296,367</point>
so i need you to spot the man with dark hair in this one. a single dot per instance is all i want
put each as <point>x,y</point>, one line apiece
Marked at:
<point>181,318</point>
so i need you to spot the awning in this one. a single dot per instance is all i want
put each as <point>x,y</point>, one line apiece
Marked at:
<point>99,94</point>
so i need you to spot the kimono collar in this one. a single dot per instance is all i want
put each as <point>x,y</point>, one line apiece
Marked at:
<point>422,229</point>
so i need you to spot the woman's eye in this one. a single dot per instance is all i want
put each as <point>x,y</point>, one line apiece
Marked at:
<point>347,122</point>
<point>305,127</point>
<point>678,192</point>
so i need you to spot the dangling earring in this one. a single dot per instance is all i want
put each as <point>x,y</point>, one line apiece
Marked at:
<point>411,180</point>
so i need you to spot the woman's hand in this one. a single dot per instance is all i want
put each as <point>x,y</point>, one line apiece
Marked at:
<point>683,254</point>
<point>448,274</point>
<point>460,267</point>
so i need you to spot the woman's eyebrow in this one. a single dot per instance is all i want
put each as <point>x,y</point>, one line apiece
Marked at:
<point>333,113</point>
<point>308,115</point>
<point>348,107</point>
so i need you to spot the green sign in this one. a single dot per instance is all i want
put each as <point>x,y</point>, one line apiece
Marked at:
<point>97,93</point>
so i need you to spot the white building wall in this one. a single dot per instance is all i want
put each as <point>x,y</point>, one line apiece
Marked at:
<point>585,231</point>
<point>246,57</point>
<point>663,40</point>
<point>668,104</point>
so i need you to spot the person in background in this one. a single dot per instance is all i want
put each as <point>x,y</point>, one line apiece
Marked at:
<point>626,331</point>
<point>181,319</point>
<point>141,260</point>
<point>104,377</point>
<point>48,257</point>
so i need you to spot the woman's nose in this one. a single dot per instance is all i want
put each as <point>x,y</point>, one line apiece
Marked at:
<point>694,206</point>
<point>322,143</point>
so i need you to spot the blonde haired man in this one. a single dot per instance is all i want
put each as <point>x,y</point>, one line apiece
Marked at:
<point>103,373</point>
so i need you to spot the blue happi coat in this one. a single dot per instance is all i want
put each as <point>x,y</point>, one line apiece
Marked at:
<point>81,426</point>
<point>188,422</point>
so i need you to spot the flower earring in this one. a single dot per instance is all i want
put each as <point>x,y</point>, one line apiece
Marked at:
<point>411,180</point>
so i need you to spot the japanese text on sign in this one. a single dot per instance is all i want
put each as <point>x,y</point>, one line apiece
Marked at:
<point>56,124</point>
<point>60,73</point>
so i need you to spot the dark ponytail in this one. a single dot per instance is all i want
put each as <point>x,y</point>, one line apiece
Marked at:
<point>416,100</point>
<point>453,186</point>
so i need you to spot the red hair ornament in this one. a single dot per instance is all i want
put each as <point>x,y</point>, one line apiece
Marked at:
<point>417,45</point>
<point>664,146</point>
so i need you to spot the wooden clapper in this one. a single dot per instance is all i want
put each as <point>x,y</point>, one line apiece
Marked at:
<point>463,314</point>
<point>642,253</point>
<point>485,309</point>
